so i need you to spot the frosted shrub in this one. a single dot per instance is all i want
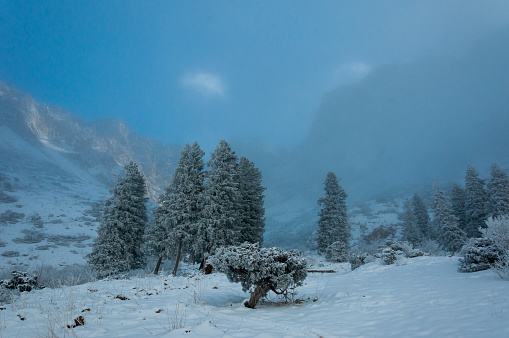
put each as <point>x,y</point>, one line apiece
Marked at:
<point>261,270</point>
<point>497,231</point>
<point>20,281</point>
<point>356,260</point>
<point>478,254</point>
<point>390,250</point>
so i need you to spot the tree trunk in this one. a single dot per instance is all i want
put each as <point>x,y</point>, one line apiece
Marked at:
<point>258,292</point>
<point>177,260</point>
<point>204,266</point>
<point>158,264</point>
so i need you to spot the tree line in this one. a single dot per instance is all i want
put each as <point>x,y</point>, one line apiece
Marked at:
<point>457,217</point>
<point>461,215</point>
<point>198,212</point>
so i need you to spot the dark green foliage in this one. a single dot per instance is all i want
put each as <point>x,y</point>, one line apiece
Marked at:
<point>180,207</point>
<point>332,222</point>
<point>219,225</point>
<point>446,224</point>
<point>117,247</point>
<point>458,205</point>
<point>478,254</point>
<point>498,192</point>
<point>251,210</point>
<point>476,202</point>
<point>421,216</point>
<point>411,232</point>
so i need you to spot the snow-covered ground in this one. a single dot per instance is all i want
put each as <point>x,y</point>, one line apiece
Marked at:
<point>51,214</point>
<point>423,296</point>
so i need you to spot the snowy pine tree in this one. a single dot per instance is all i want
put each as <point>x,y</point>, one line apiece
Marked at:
<point>332,223</point>
<point>120,235</point>
<point>421,216</point>
<point>219,226</point>
<point>498,192</point>
<point>251,210</point>
<point>411,232</point>
<point>475,202</point>
<point>458,205</point>
<point>451,236</point>
<point>180,210</point>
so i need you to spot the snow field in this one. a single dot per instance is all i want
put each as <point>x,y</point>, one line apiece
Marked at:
<point>423,296</point>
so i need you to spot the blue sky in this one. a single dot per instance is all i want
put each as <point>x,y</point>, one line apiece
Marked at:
<point>204,70</point>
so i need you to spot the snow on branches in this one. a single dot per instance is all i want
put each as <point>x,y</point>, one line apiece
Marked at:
<point>261,270</point>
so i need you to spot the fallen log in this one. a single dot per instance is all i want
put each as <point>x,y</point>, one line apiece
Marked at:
<point>322,271</point>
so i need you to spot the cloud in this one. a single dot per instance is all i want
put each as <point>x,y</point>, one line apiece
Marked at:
<point>205,84</point>
<point>351,72</point>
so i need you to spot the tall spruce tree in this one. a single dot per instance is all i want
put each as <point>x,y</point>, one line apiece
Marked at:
<point>421,216</point>
<point>180,209</point>
<point>458,205</point>
<point>120,235</point>
<point>251,217</point>
<point>332,223</point>
<point>219,226</point>
<point>411,231</point>
<point>475,202</point>
<point>450,235</point>
<point>498,192</point>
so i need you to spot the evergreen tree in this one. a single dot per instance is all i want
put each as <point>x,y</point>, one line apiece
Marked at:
<point>411,232</point>
<point>421,216</point>
<point>498,192</point>
<point>332,223</point>
<point>458,205</point>
<point>475,202</point>
<point>219,226</point>
<point>180,209</point>
<point>251,209</point>
<point>120,235</point>
<point>450,235</point>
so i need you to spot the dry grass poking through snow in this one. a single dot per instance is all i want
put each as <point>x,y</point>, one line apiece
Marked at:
<point>420,296</point>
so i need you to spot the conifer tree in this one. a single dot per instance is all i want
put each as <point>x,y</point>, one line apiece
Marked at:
<point>498,192</point>
<point>332,223</point>
<point>458,205</point>
<point>411,232</point>
<point>475,202</point>
<point>219,226</point>
<point>120,235</point>
<point>421,216</point>
<point>251,217</point>
<point>450,235</point>
<point>180,209</point>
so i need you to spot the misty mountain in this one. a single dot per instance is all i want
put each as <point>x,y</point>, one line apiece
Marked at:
<point>407,124</point>
<point>100,148</point>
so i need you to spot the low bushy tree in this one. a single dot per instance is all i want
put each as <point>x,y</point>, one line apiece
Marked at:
<point>261,270</point>
<point>478,254</point>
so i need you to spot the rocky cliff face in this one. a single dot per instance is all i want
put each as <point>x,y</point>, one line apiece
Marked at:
<point>100,148</point>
